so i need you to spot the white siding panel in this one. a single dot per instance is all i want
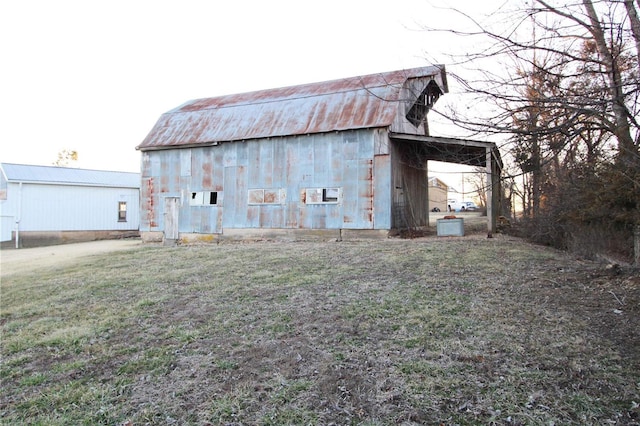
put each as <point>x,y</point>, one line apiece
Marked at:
<point>8,211</point>
<point>77,208</point>
<point>6,226</point>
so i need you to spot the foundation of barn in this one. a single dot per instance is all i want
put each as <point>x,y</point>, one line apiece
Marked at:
<point>262,234</point>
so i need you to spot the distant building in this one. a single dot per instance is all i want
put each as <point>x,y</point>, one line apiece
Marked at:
<point>437,195</point>
<point>42,205</point>
<point>330,159</point>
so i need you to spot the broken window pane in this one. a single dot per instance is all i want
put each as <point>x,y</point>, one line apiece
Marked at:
<point>322,195</point>
<point>204,198</point>
<point>330,195</point>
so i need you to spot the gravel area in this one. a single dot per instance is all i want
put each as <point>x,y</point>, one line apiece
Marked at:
<point>14,260</point>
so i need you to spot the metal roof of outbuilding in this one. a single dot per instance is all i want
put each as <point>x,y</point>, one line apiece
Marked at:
<point>69,176</point>
<point>351,103</point>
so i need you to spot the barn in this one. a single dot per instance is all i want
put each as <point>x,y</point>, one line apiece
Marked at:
<point>43,205</point>
<point>332,159</point>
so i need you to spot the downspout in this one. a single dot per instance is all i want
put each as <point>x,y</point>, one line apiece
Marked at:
<point>19,215</point>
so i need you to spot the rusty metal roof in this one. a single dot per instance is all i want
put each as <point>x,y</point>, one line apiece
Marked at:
<point>352,103</point>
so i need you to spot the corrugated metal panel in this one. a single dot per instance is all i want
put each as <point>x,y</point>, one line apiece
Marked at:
<point>382,191</point>
<point>352,103</point>
<point>69,176</point>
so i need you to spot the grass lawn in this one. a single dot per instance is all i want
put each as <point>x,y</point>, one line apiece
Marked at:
<point>453,331</point>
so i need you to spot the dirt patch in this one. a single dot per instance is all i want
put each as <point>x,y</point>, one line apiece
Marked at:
<point>605,297</point>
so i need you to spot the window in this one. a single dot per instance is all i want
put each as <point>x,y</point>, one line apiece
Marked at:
<point>204,198</point>
<point>266,196</point>
<point>122,211</point>
<point>323,195</point>
<point>3,188</point>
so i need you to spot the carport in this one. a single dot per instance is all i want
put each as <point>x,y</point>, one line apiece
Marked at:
<point>461,151</point>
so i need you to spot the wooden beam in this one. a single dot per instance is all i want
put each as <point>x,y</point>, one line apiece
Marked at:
<point>439,140</point>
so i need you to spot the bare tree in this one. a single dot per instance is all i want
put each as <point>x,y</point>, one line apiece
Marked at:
<point>566,92</point>
<point>612,63</point>
<point>65,157</point>
<point>560,34</point>
<point>635,24</point>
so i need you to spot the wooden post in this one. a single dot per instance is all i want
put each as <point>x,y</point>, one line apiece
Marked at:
<point>489,195</point>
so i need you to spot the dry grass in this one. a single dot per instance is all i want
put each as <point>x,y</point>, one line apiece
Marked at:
<point>425,331</point>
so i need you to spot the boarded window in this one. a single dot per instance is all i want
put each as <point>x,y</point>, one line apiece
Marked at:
<point>323,195</point>
<point>266,196</point>
<point>204,198</point>
<point>122,211</point>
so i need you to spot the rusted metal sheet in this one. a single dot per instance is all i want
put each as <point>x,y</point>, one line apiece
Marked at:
<point>149,205</point>
<point>353,103</point>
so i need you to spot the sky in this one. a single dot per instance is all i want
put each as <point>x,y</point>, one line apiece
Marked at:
<point>94,76</point>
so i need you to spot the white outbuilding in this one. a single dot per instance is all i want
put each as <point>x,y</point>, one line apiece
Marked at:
<point>43,205</point>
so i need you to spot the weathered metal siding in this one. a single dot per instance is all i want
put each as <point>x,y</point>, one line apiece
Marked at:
<point>382,180</point>
<point>205,175</point>
<point>282,169</point>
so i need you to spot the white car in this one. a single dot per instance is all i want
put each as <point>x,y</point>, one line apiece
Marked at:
<point>462,206</point>
<point>469,206</point>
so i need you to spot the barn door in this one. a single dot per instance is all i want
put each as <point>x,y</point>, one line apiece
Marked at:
<point>171,208</point>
